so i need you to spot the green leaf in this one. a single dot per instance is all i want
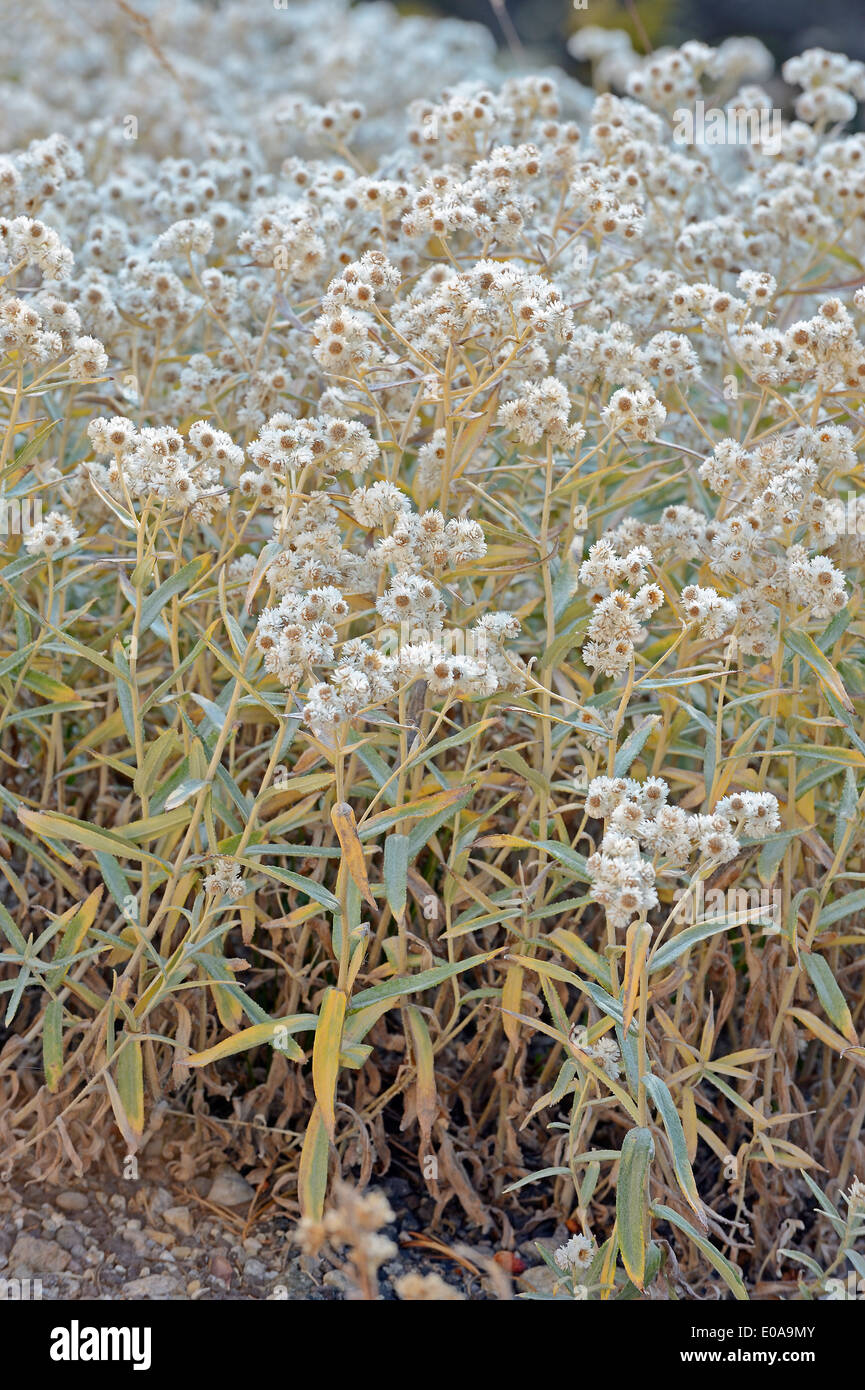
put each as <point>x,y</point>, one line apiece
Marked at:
<point>830,1210</point>
<point>847,808</point>
<point>804,646</point>
<point>189,787</point>
<point>30,449</point>
<point>312,1176</point>
<point>213,713</point>
<point>444,744</point>
<point>130,1084</point>
<point>158,751</point>
<point>844,906</point>
<point>123,690</point>
<point>632,1202</point>
<point>632,746</point>
<point>660,1094</point>
<point>177,583</point>
<point>396,851</point>
<point>839,624</point>
<point>11,931</point>
<point>563,854</point>
<point>413,984</point>
<point>565,584</point>
<point>116,880</point>
<point>691,936</point>
<point>309,886</point>
<point>52,1044</point>
<point>728,1271</point>
<point>819,972</point>
<point>770,856</point>
<point>537,1177</point>
<point>805,1260</point>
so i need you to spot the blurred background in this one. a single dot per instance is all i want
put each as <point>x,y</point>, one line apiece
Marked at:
<point>785,26</point>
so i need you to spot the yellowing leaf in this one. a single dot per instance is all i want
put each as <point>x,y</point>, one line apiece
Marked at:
<point>426,1098</point>
<point>312,1175</point>
<point>345,826</point>
<point>820,1029</point>
<point>512,993</point>
<point>325,1055</point>
<point>77,922</point>
<point>278,1032</point>
<point>637,944</point>
<point>130,1084</point>
<point>53,826</point>
<point>805,647</point>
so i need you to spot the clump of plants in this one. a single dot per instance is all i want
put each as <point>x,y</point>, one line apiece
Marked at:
<point>431,574</point>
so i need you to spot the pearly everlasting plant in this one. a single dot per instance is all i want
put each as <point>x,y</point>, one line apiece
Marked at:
<point>431,556</point>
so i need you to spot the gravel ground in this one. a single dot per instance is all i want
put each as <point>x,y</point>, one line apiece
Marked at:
<point>109,1239</point>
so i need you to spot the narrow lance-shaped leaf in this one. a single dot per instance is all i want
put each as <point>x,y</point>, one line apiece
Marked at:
<point>632,1202</point>
<point>637,942</point>
<point>819,972</point>
<point>413,984</point>
<point>804,646</point>
<point>820,1029</point>
<point>660,1094</point>
<point>728,1271</point>
<point>426,1098</point>
<point>325,1055</point>
<point>396,861</point>
<point>512,993</point>
<point>52,1044</point>
<point>345,825</point>
<point>278,1033</point>
<point>130,1084</point>
<point>312,1175</point>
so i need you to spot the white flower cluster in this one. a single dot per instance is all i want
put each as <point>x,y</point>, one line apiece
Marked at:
<point>576,1255</point>
<point>224,879</point>
<point>616,628</point>
<point>300,634</point>
<point>833,85</point>
<point>605,1051</point>
<point>639,413</point>
<point>155,462</point>
<point>288,445</point>
<point>542,412</point>
<point>51,537</point>
<point>26,241</point>
<point>373,321</point>
<point>640,822</point>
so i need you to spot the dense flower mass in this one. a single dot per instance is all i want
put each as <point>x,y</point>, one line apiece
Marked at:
<point>233,285</point>
<point>437,500</point>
